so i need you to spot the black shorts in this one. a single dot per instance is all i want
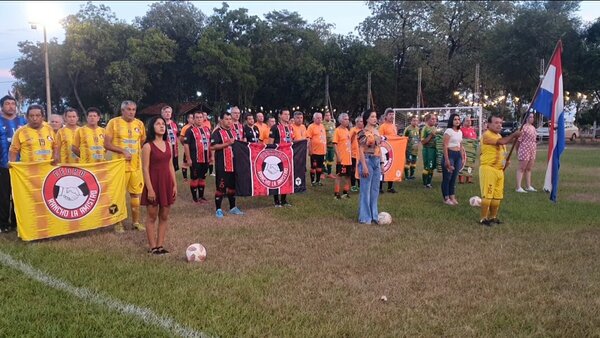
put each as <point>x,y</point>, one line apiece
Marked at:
<point>176,163</point>
<point>343,170</point>
<point>316,161</point>
<point>225,180</point>
<point>198,171</point>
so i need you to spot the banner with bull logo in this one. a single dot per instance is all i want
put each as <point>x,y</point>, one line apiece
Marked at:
<point>393,156</point>
<point>263,170</point>
<point>53,201</point>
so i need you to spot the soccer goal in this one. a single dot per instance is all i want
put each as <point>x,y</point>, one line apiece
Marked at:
<point>402,116</point>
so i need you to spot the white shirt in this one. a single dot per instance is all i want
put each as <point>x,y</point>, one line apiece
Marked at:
<point>455,137</point>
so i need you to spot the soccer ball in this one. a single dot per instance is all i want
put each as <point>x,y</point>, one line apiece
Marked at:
<point>384,218</point>
<point>195,253</point>
<point>475,201</point>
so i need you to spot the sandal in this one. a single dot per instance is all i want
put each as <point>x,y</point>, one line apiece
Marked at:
<point>154,251</point>
<point>161,251</point>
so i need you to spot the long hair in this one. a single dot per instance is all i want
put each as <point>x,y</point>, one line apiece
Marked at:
<point>150,133</point>
<point>366,114</point>
<point>451,121</point>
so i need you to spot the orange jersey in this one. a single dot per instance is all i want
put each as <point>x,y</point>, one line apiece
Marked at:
<point>129,136</point>
<point>263,132</point>
<point>341,139</point>
<point>206,124</point>
<point>64,140</point>
<point>354,139</point>
<point>34,145</point>
<point>318,139</point>
<point>90,143</point>
<point>388,129</point>
<point>299,132</point>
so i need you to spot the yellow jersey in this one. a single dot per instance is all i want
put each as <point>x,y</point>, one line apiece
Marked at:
<point>129,136</point>
<point>492,155</point>
<point>64,140</point>
<point>91,144</point>
<point>341,137</point>
<point>34,145</point>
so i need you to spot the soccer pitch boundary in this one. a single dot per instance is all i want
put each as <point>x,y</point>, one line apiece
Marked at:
<point>89,296</point>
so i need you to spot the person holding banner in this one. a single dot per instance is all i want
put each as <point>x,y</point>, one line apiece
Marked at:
<point>369,169</point>
<point>429,151</point>
<point>491,170</point>
<point>221,141</point>
<point>88,142</point>
<point>358,126</point>
<point>412,147</point>
<point>526,149</point>
<point>452,159</point>
<point>34,142</point>
<point>63,153</point>
<point>160,188</point>
<point>198,154</point>
<point>317,145</point>
<point>298,126</point>
<point>469,133</point>
<point>124,136</point>
<point>343,154</point>
<point>282,133</point>
<point>237,127</point>
<point>262,127</point>
<point>251,131</point>
<point>387,129</point>
<point>9,123</point>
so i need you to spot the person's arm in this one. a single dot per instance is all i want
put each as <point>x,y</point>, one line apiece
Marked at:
<point>76,143</point>
<point>336,147</point>
<point>501,141</point>
<point>363,162</point>
<point>108,143</point>
<point>146,171</point>
<point>172,172</point>
<point>15,147</point>
<point>186,151</point>
<point>428,138</point>
<point>56,147</point>
<point>446,160</point>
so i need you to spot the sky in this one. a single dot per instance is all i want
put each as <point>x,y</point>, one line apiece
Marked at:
<point>15,27</point>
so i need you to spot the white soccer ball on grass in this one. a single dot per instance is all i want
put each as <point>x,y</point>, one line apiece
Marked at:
<point>384,218</point>
<point>195,253</point>
<point>475,201</point>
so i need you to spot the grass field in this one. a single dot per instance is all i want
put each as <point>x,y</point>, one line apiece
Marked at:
<point>312,270</point>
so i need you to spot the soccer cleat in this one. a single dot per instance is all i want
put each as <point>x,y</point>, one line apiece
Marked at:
<point>219,213</point>
<point>286,204</point>
<point>428,186</point>
<point>521,190</point>
<point>485,222</point>
<point>345,196</point>
<point>495,220</point>
<point>277,205</point>
<point>392,191</point>
<point>313,183</point>
<point>337,197</point>
<point>213,175</point>
<point>236,211</point>
<point>354,189</point>
<point>139,226</point>
<point>532,189</point>
<point>119,228</point>
<point>320,184</point>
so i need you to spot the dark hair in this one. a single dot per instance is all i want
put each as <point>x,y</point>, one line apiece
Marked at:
<point>366,114</point>
<point>284,109</point>
<point>150,133</point>
<point>35,106</point>
<point>6,98</point>
<point>492,116</point>
<point>93,110</point>
<point>223,114</point>
<point>451,121</point>
<point>70,109</point>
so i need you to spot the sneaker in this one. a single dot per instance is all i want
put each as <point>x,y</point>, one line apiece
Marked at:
<point>381,191</point>
<point>495,220</point>
<point>345,196</point>
<point>485,222</point>
<point>392,191</point>
<point>236,211</point>
<point>532,189</point>
<point>428,186</point>
<point>139,226</point>
<point>119,228</point>
<point>320,184</point>
<point>313,183</point>
<point>278,205</point>
<point>354,189</point>
<point>161,251</point>
<point>219,213</point>
<point>337,197</point>
<point>213,175</point>
<point>448,202</point>
<point>521,190</point>
<point>202,201</point>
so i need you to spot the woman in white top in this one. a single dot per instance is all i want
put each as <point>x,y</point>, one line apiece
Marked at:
<point>453,159</point>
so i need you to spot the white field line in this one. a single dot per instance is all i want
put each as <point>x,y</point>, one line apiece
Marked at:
<point>90,296</point>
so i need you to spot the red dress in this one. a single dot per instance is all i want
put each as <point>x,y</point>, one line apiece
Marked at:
<point>160,177</point>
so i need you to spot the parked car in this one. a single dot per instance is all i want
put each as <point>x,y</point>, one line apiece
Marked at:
<point>571,132</point>
<point>508,128</point>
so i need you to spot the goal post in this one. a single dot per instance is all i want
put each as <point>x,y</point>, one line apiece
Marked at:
<point>402,116</point>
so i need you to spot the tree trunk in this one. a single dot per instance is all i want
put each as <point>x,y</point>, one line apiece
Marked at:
<point>74,83</point>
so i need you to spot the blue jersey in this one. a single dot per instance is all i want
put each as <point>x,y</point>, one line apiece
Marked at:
<point>7,130</point>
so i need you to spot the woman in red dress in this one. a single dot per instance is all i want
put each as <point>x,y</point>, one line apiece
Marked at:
<point>160,187</point>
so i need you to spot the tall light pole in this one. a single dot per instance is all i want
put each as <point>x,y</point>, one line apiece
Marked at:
<point>47,68</point>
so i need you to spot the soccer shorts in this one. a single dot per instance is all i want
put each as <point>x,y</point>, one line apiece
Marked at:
<point>316,161</point>
<point>343,170</point>
<point>198,170</point>
<point>135,181</point>
<point>411,158</point>
<point>429,158</point>
<point>491,182</point>
<point>224,180</point>
<point>330,155</point>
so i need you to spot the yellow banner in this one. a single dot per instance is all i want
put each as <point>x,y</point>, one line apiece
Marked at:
<point>53,201</point>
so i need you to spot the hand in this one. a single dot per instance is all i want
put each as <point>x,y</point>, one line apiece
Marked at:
<point>517,133</point>
<point>151,196</point>
<point>174,191</point>
<point>365,172</point>
<point>231,142</point>
<point>507,164</point>
<point>127,155</point>
<point>189,163</point>
<point>449,167</point>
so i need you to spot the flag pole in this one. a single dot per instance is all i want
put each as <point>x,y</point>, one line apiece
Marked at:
<point>535,94</point>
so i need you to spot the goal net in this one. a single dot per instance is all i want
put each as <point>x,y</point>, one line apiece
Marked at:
<point>402,116</point>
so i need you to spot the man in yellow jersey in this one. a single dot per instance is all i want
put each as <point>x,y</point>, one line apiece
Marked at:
<point>298,126</point>
<point>125,136</point>
<point>56,122</point>
<point>491,173</point>
<point>358,126</point>
<point>35,141</point>
<point>317,147</point>
<point>387,129</point>
<point>343,154</point>
<point>88,142</point>
<point>329,125</point>
<point>63,153</point>
<point>184,129</point>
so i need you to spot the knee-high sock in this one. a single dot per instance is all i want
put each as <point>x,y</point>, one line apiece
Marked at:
<point>201,185</point>
<point>218,199</point>
<point>135,210</point>
<point>312,175</point>
<point>318,176</point>
<point>328,168</point>
<point>390,185</point>
<point>485,208</point>
<point>494,207</point>
<point>194,189</point>
<point>425,174</point>
<point>412,170</point>
<point>184,173</point>
<point>430,177</point>
<point>406,171</point>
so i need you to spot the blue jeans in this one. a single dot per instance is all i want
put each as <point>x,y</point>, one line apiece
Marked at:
<point>369,190</point>
<point>449,178</point>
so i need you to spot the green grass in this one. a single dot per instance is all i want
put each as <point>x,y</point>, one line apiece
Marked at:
<point>312,270</point>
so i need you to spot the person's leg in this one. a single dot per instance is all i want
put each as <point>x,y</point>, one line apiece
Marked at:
<point>528,169</point>
<point>219,189</point>
<point>319,169</point>
<point>336,186</point>
<point>364,195</point>
<point>202,181</point>
<point>152,212</point>
<point>445,181</point>
<point>353,174</point>
<point>313,169</point>
<point>498,196</point>
<point>194,181</point>
<point>426,165</point>
<point>375,168</point>
<point>407,167</point>
<point>486,185</point>
<point>136,186</point>
<point>520,171</point>
<point>184,169</point>
<point>231,198</point>
<point>5,203</point>
<point>276,200</point>
<point>433,165</point>
<point>457,164</point>
<point>413,167</point>
<point>346,180</point>
<point>330,158</point>
<point>163,218</point>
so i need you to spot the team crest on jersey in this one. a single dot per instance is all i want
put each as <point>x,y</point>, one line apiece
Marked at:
<point>70,193</point>
<point>137,130</point>
<point>273,168</point>
<point>387,154</point>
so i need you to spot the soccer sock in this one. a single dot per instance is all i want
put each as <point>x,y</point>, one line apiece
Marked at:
<point>336,188</point>
<point>276,199</point>
<point>210,169</point>
<point>231,201</point>
<point>283,199</point>
<point>328,169</point>
<point>319,172</point>
<point>406,171</point>
<point>218,199</point>
<point>494,207</point>
<point>346,188</point>
<point>412,170</point>
<point>390,185</point>
<point>184,173</point>
<point>425,173</point>
<point>312,175</point>
<point>380,185</point>
<point>135,210</point>
<point>194,189</point>
<point>485,207</point>
<point>430,177</point>
<point>352,179</point>
<point>201,185</point>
